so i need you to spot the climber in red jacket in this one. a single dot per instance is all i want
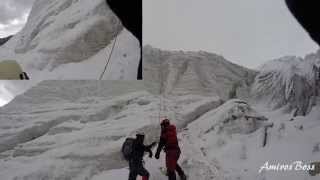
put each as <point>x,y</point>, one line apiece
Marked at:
<point>169,141</point>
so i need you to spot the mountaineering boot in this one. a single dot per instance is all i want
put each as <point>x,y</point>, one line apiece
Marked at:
<point>180,172</point>
<point>183,177</point>
<point>172,175</point>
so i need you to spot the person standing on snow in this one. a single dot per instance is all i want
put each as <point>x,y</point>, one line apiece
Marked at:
<point>136,161</point>
<point>130,14</point>
<point>306,12</point>
<point>169,141</point>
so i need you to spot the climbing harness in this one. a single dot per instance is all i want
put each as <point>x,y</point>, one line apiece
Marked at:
<point>109,58</point>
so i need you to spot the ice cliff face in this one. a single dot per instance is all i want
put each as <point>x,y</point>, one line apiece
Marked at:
<point>75,129</point>
<point>289,82</point>
<point>70,133</point>
<point>59,33</point>
<point>180,72</point>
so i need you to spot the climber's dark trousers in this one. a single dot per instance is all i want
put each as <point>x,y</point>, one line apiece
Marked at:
<point>136,168</point>
<point>130,14</point>
<point>306,12</point>
<point>172,157</point>
<point>179,171</point>
<point>172,175</point>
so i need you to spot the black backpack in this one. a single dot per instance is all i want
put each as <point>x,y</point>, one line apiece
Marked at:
<point>127,148</point>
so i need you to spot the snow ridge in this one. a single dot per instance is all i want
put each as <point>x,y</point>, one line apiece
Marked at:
<point>202,73</point>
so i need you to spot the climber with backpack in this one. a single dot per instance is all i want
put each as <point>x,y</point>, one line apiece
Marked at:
<point>133,151</point>
<point>169,142</point>
<point>306,12</point>
<point>130,14</point>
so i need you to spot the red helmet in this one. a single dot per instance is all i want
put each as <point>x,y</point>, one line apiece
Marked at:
<point>165,122</point>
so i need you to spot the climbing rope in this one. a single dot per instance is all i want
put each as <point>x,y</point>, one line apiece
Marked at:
<point>160,94</point>
<point>109,58</point>
<point>162,103</point>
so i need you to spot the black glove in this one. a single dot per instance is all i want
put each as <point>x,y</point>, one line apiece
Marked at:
<point>157,156</point>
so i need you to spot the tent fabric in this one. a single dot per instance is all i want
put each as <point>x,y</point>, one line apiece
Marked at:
<point>10,70</point>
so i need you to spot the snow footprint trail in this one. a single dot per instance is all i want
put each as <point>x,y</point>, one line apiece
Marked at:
<point>195,162</point>
<point>192,160</point>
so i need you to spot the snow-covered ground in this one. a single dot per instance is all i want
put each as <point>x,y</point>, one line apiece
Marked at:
<point>211,154</point>
<point>68,39</point>
<point>75,129</point>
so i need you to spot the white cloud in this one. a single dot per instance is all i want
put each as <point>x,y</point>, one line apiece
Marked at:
<point>13,15</point>
<point>14,26</point>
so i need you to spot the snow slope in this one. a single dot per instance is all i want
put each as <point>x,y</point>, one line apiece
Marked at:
<point>75,129</point>
<point>180,72</point>
<point>288,82</point>
<point>72,39</point>
<point>70,133</point>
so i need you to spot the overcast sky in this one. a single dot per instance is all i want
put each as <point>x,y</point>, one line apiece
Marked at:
<point>13,15</point>
<point>247,32</point>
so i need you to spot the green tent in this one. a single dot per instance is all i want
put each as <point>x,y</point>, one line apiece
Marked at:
<point>11,70</point>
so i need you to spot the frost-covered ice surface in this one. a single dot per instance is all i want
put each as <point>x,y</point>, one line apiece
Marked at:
<point>72,130</point>
<point>75,129</point>
<point>72,39</point>
<point>288,82</point>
